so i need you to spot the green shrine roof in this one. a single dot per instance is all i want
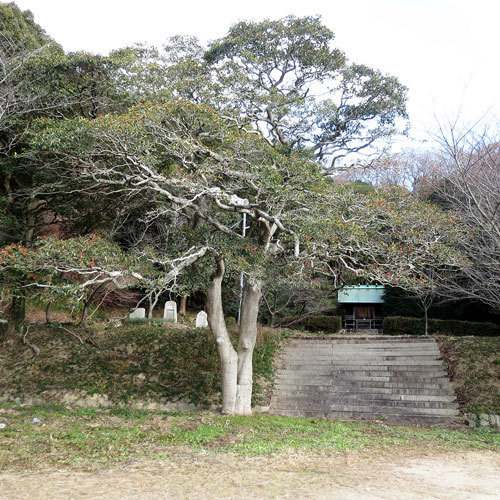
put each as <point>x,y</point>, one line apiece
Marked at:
<point>364,294</point>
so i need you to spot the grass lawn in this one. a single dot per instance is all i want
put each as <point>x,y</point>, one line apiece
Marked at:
<point>90,439</point>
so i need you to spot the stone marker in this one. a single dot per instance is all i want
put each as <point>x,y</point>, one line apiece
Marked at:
<point>201,320</point>
<point>170,311</point>
<point>138,313</point>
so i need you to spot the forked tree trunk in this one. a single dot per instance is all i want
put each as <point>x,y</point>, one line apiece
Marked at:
<point>236,365</point>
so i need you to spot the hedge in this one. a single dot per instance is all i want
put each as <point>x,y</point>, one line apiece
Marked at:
<point>399,325</point>
<point>318,323</point>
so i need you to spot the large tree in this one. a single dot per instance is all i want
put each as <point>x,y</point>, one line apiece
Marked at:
<point>301,92</point>
<point>191,169</point>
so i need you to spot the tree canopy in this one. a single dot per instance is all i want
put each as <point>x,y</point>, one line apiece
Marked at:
<point>214,159</point>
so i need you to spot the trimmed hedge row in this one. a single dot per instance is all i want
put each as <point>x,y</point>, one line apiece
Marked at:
<point>399,325</point>
<point>319,323</point>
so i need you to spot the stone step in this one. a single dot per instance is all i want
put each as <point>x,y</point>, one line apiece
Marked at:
<point>356,415</point>
<point>371,341</point>
<point>359,377</point>
<point>375,374</point>
<point>372,362</point>
<point>388,396</point>
<point>291,401</point>
<point>368,384</point>
<point>355,338</point>
<point>382,367</point>
<point>362,347</point>
<point>368,408</point>
<point>313,378</point>
<point>356,389</point>
<point>364,354</point>
<point>361,353</point>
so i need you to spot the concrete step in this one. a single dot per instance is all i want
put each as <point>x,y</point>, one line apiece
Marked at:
<point>353,389</point>
<point>387,396</point>
<point>313,378</point>
<point>289,401</point>
<point>348,384</point>
<point>345,364</point>
<point>359,377</point>
<point>366,346</point>
<point>371,343</point>
<point>384,415</point>
<point>334,354</point>
<point>368,408</point>
<point>364,376</point>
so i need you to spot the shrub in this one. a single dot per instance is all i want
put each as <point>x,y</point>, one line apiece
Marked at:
<point>318,323</point>
<point>399,325</point>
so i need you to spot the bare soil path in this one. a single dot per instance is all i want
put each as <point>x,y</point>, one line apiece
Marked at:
<point>397,473</point>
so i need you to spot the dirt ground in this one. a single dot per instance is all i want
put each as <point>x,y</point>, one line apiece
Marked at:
<point>392,474</point>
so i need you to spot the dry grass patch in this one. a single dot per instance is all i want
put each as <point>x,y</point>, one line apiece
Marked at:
<point>474,367</point>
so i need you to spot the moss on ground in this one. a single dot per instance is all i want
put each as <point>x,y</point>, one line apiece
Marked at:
<point>138,361</point>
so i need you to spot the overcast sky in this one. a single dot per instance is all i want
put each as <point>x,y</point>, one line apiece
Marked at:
<point>445,51</point>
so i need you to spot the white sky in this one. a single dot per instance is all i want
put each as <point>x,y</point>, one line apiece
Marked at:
<point>445,51</point>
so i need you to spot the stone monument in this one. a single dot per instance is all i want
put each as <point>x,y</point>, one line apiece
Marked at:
<point>138,313</point>
<point>170,311</point>
<point>201,320</point>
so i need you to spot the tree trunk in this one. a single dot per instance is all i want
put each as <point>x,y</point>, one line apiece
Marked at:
<point>151,307</point>
<point>182,307</point>
<point>83,317</point>
<point>272,317</point>
<point>426,321</point>
<point>48,319</point>
<point>227,354</point>
<point>86,305</point>
<point>252,293</point>
<point>17,313</point>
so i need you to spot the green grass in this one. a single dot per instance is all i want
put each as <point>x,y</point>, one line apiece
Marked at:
<point>90,438</point>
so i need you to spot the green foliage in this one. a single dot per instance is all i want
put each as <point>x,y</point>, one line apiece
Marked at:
<point>318,323</point>
<point>58,268</point>
<point>398,325</point>
<point>20,29</point>
<point>269,69</point>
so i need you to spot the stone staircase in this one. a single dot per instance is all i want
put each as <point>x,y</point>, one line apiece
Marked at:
<point>394,378</point>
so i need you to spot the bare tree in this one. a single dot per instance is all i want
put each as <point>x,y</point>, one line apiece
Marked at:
<point>471,190</point>
<point>416,170</point>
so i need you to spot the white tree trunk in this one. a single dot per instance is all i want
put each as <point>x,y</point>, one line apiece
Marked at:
<point>236,366</point>
<point>252,292</point>
<point>227,354</point>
